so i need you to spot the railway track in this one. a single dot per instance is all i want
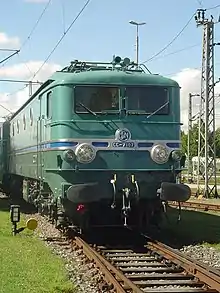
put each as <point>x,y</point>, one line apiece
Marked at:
<point>150,267</point>
<point>140,264</point>
<point>197,205</point>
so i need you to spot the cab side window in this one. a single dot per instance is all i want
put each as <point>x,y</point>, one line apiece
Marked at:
<point>49,105</point>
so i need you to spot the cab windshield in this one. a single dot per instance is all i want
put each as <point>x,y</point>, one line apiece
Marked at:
<point>96,99</point>
<point>147,100</point>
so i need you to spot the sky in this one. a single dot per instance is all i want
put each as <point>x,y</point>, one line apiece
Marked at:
<point>101,31</point>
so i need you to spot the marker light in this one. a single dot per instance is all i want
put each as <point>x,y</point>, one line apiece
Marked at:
<point>69,155</point>
<point>85,153</point>
<point>80,208</point>
<point>176,155</point>
<point>159,154</point>
<point>15,213</point>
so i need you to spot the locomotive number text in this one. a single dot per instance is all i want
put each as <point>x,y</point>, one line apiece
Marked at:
<point>126,144</point>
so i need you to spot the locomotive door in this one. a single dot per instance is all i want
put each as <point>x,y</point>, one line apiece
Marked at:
<point>39,141</point>
<point>44,134</point>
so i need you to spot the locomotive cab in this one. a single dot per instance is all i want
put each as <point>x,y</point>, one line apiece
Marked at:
<point>105,147</point>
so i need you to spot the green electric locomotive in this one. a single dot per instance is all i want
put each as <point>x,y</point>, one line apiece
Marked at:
<point>98,144</point>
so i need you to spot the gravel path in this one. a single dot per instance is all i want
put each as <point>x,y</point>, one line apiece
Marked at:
<point>208,255</point>
<point>84,276</point>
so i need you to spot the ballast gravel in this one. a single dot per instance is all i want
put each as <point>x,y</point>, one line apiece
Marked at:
<point>208,255</point>
<point>83,275</point>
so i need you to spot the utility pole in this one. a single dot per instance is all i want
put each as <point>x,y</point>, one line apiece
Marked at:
<point>137,24</point>
<point>206,140</point>
<point>189,152</point>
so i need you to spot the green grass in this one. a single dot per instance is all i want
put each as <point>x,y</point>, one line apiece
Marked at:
<point>194,228</point>
<point>26,264</point>
<point>215,245</point>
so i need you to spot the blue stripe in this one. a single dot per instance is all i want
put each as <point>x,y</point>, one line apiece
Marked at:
<point>100,144</point>
<point>59,144</point>
<point>173,144</point>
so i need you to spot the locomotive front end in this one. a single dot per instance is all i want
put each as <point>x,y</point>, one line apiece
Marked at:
<point>110,195</point>
<point>118,152</point>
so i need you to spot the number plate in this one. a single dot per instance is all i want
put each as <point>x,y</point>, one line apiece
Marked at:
<point>126,144</point>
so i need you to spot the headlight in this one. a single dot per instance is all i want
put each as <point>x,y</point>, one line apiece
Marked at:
<point>85,153</point>
<point>159,154</point>
<point>68,155</point>
<point>176,155</point>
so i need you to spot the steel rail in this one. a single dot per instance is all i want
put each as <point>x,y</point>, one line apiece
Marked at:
<point>114,276</point>
<point>197,205</point>
<point>111,274</point>
<point>209,276</point>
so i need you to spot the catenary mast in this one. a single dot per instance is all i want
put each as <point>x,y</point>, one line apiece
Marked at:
<point>206,140</point>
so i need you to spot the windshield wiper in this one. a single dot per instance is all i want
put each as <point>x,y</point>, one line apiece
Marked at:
<point>87,109</point>
<point>161,107</point>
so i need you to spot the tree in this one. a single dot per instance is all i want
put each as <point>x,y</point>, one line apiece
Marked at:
<point>217,141</point>
<point>194,134</point>
<point>184,140</point>
<point>193,141</point>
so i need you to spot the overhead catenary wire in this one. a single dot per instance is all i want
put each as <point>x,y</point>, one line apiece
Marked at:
<point>62,37</point>
<point>200,2</point>
<point>213,7</point>
<point>31,32</point>
<point>194,68</point>
<point>55,47</point>
<point>177,51</point>
<point>63,15</point>
<point>176,37</point>
<point>26,40</point>
<point>36,24</point>
<point>15,92</point>
<point>172,41</point>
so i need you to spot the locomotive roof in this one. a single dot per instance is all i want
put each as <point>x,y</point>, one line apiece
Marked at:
<point>98,77</point>
<point>113,77</point>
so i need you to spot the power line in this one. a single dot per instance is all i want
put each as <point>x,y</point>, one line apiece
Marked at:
<point>213,7</point>
<point>60,40</point>
<point>171,42</point>
<point>28,68</point>
<point>199,2</point>
<point>63,15</point>
<point>62,37</point>
<point>24,43</point>
<point>15,92</point>
<point>177,51</point>
<point>32,31</point>
<point>6,109</point>
<point>29,36</point>
<point>194,68</point>
<point>36,24</point>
